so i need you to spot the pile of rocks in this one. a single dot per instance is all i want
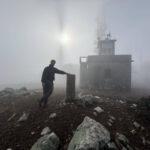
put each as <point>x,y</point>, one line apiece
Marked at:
<point>90,134</point>
<point>16,92</point>
<point>87,100</point>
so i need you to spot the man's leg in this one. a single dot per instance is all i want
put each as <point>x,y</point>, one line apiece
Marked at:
<point>44,97</point>
<point>49,92</point>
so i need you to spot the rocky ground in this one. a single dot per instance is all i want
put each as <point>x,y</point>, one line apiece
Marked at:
<point>123,117</point>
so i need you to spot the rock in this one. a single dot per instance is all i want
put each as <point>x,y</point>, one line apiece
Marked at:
<point>47,142</point>
<point>143,140</point>
<point>142,128</point>
<point>94,113</point>
<point>121,101</point>
<point>53,115</point>
<point>122,142</point>
<point>87,100</point>
<point>98,109</point>
<point>111,121</point>
<point>134,105</point>
<point>112,117</point>
<point>137,125</point>
<point>97,97</point>
<point>89,135</point>
<point>122,138</point>
<point>45,131</point>
<point>80,95</point>
<point>32,133</point>
<point>123,148</point>
<point>133,132</point>
<point>10,118</point>
<point>109,124</point>
<point>112,146</point>
<point>24,117</point>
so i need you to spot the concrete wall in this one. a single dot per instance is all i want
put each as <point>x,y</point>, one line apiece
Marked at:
<point>107,72</point>
<point>83,75</point>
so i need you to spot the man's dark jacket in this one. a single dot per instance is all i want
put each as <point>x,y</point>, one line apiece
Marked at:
<point>49,74</point>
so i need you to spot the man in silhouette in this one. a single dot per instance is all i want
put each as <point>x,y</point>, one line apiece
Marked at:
<point>48,77</point>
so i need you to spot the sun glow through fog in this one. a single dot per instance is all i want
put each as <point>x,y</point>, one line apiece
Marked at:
<point>65,39</point>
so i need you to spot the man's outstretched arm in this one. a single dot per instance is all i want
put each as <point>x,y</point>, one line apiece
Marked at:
<point>60,71</point>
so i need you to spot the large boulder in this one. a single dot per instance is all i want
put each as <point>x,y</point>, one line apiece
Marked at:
<point>47,142</point>
<point>89,135</point>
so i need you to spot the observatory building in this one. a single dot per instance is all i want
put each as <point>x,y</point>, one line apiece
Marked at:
<point>106,71</point>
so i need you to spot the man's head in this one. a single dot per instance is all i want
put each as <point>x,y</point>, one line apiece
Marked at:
<point>53,62</point>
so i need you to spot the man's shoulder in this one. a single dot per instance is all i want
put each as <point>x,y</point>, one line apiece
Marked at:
<point>46,67</point>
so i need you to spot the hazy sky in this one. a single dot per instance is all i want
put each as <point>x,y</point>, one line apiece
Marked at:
<point>29,30</point>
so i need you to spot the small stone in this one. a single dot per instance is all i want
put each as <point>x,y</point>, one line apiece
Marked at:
<point>32,133</point>
<point>122,102</point>
<point>123,148</point>
<point>97,97</point>
<point>137,125</point>
<point>94,113</point>
<point>24,117</point>
<point>111,121</point>
<point>45,131</point>
<point>109,124</point>
<point>112,146</point>
<point>142,128</point>
<point>112,117</point>
<point>10,118</point>
<point>122,138</point>
<point>133,132</point>
<point>143,140</point>
<point>53,115</point>
<point>134,105</point>
<point>98,109</point>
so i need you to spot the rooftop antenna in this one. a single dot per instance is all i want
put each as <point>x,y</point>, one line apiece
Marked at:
<point>108,36</point>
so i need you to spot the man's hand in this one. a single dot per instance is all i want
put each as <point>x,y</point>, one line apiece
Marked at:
<point>68,74</point>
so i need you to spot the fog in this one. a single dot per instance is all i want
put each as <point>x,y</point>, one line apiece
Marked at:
<point>31,31</point>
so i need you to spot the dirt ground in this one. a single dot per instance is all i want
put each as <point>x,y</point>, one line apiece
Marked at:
<point>21,136</point>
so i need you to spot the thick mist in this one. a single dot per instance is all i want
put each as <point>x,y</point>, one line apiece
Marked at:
<point>31,32</point>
